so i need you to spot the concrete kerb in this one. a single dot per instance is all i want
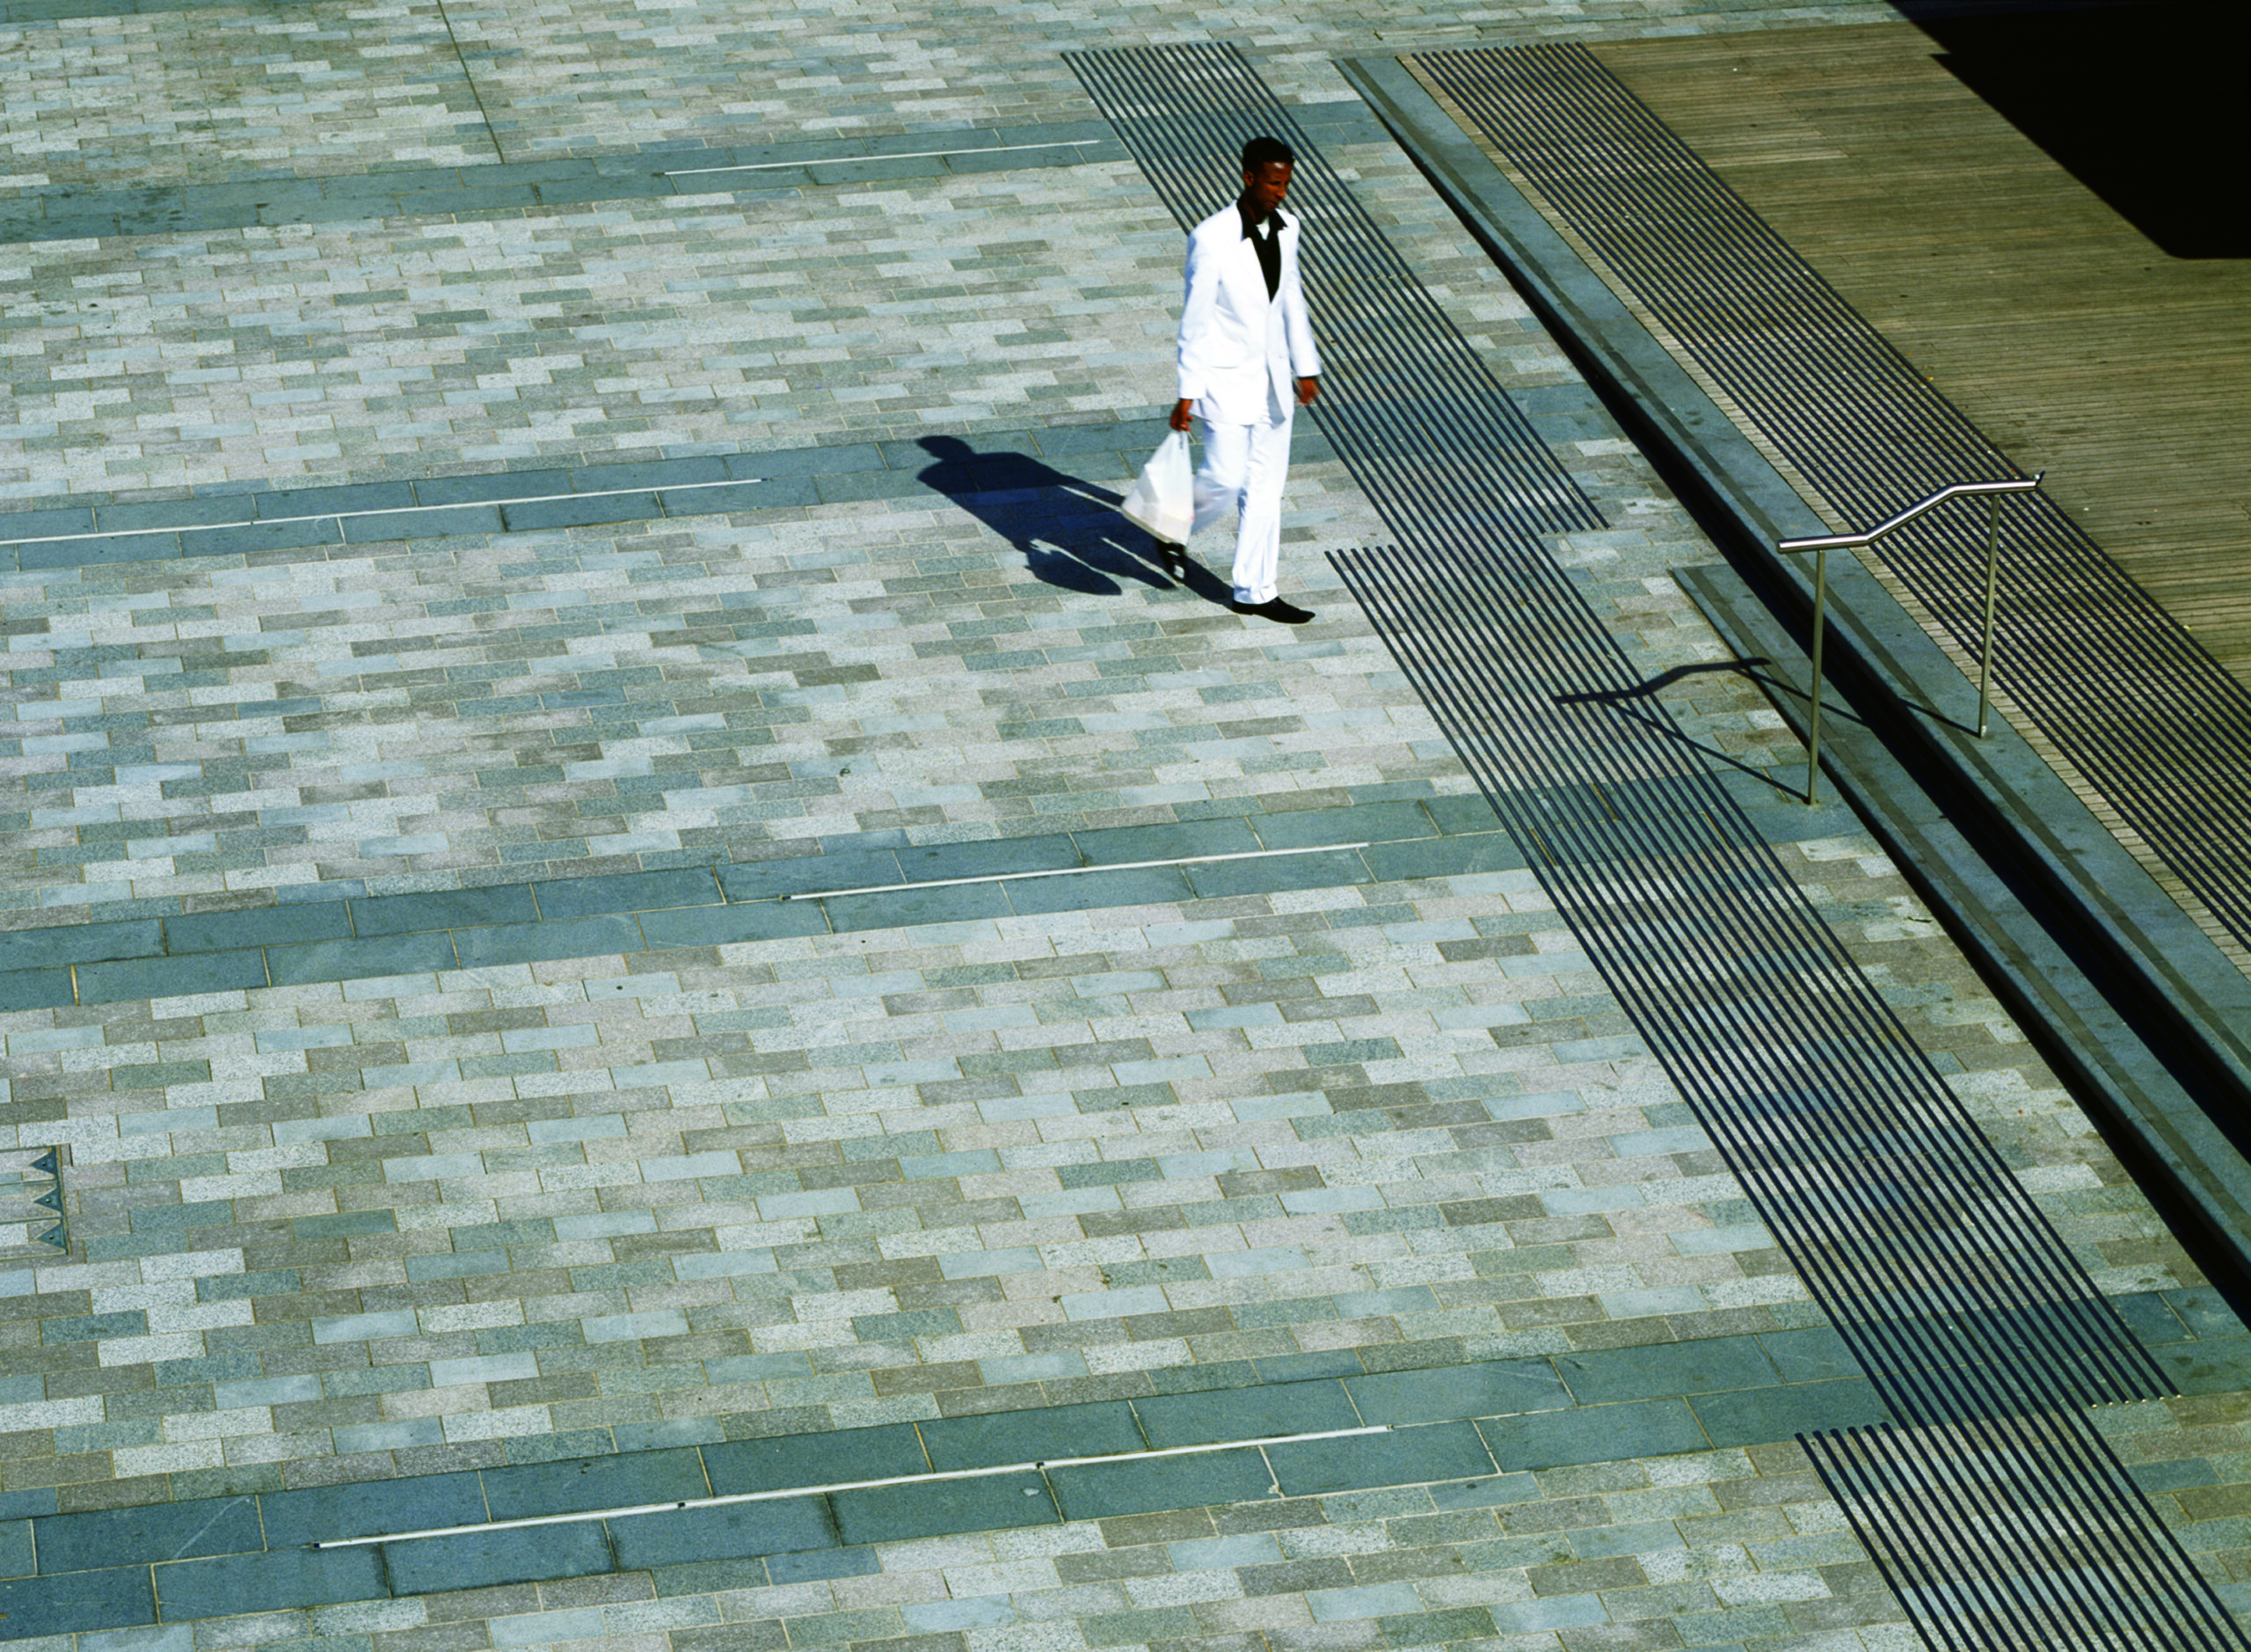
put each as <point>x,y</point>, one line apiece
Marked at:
<point>2170,1077</point>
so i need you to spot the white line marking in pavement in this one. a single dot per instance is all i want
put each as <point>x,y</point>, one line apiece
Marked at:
<point>1065,871</point>
<point>908,155</point>
<point>849,1485</point>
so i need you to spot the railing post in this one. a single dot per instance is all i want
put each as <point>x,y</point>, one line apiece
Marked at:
<point>1993,579</point>
<point>1821,545</point>
<point>1820,628</point>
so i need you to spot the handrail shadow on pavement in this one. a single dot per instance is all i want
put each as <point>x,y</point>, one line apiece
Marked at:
<point>1625,700</point>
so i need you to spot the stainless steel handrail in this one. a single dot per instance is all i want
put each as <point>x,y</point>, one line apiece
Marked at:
<point>1822,544</point>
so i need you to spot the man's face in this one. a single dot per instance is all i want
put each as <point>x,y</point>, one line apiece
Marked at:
<point>1264,186</point>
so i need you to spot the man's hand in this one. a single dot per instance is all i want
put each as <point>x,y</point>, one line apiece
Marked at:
<point>1308,389</point>
<point>1184,416</point>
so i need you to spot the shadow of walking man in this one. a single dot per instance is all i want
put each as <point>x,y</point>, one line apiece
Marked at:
<point>1068,529</point>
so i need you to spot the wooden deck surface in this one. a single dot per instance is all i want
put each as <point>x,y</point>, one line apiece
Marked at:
<point>2074,341</point>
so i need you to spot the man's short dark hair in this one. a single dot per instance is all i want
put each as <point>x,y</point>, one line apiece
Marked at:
<point>1265,152</point>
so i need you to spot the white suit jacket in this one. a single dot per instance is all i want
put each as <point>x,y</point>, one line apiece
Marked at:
<point>1236,345</point>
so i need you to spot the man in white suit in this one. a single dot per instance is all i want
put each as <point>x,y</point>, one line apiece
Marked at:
<point>1247,359</point>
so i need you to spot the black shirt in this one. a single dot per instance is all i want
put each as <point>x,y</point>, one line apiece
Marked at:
<point>1269,244</point>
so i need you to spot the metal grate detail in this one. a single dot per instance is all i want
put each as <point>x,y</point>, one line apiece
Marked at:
<point>2117,686</point>
<point>1897,1211</point>
<point>1954,1294</point>
<point>2019,1531</point>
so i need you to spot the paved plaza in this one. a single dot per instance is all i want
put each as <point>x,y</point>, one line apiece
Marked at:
<point>624,886</point>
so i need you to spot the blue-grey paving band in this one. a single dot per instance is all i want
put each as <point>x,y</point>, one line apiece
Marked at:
<point>876,881</point>
<point>1496,1422</point>
<point>1904,1221</point>
<point>2094,1565</point>
<point>64,212</point>
<point>2124,691</point>
<point>236,522</point>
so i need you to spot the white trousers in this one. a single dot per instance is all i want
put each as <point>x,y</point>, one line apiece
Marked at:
<point>1243,471</point>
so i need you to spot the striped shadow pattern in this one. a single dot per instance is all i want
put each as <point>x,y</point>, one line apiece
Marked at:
<point>1895,1208</point>
<point>1401,390</point>
<point>2019,1531</point>
<point>1948,1285</point>
<point>2169,751</point>
<point>1955,1295</point>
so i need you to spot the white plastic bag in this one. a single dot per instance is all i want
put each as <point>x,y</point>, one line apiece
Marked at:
<point>1163,501</point>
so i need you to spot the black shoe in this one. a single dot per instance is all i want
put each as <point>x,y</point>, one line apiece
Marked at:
<point>1175,558</point>
<point>1274,609</point>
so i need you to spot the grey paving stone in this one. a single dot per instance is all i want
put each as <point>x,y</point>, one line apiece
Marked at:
<point>1497,1387</point>
<point>341,501</point>
<point>155,1532</point>
<point>1757,1416</point>
<point>373,1508</point>
<point>488,1559</point>
<point>1708,1366</point>
<point>1087,891</point>
<point>80,943</point>
<point>1031,1437</point>
<point>428,524</point>
<point>362,958</point>
<point>809,874</point>
<point>1245,1413</point>
<point>770,494</point>
<point>1442,858</point>
<point>1107,845</point>
<point>1406,1456</point>
<point>547,939</point>
<point>1334,869</point>
<point>526,516</point>
<point>2204,1312</point>
<point>81,1603</point>
<point>261,926</point>
<point>1361,823</point>
<point>1594,1434</point>
<point>491,485</point>
<point>2214,1365</point>
<point>89,553</point>
<point>649,474</point>
<point>167,514</point>
<point>724,926</point>
<point>1097,1491</point>
<point>887,909</point>
<point>1815,1354</point>
<point>444,909</point>
<point>987,858</point>
<point>781,1527</point>
<point>161,978</point>
<point>578,1484</point>
<point>626,891</point>
<point>259,539</point>
<point>828,459</point>
<point>990,1502</point>
<point>831,1459</point>
<point>36,989</point>
<point>287,1579</point>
